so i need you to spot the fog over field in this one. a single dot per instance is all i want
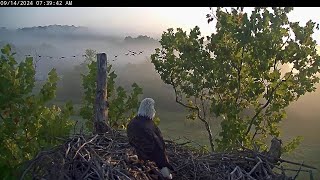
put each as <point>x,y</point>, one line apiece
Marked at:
<point>63,46</point>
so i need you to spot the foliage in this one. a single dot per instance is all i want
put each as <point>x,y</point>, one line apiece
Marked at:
<point>239,73</point>
<point>27,124</point>
<point>122,107</point>
<point>292,145</point>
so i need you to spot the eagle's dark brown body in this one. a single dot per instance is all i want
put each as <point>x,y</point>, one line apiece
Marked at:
<point>147,140</point>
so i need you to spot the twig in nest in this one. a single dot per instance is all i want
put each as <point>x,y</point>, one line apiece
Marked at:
<point>298,171</point>
<point>84,145</point>
<point>256,166</point>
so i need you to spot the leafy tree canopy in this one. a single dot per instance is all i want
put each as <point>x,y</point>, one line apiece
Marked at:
<point>238,74</point>
<point>27,123</point>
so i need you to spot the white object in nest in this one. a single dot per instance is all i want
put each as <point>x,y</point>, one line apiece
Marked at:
<point>166,173</point>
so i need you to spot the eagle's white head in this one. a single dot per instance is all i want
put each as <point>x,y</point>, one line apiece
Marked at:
<point>147,108</point>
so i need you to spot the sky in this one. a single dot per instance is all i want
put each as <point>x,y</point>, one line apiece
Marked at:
<point>128,20</point>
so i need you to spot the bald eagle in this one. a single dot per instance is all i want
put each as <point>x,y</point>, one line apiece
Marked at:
<point>146,138</point>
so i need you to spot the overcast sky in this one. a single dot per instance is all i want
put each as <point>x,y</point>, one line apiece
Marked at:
<point>128,20</point>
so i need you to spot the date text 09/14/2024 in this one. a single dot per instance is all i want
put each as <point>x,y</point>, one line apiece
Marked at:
<point>34,3</point>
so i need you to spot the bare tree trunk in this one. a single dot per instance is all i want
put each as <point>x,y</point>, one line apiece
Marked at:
<point>101,109</point>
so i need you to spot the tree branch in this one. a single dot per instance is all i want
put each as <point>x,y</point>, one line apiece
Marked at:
<point>1,116</point>
<point>203,108</point>
<point>203,100</point>
<point>239,76</point>
<point>284,43</point>
<point>275,64</point>
<point>196,108</point>
<point>267,103</point>
<point>254,135</point>
<point>258,112</point>
<point>299,164</point>
<point>219,95</point>
<point>184,105</point>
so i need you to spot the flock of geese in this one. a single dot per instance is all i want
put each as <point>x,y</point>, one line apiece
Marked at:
<point>129,53</point>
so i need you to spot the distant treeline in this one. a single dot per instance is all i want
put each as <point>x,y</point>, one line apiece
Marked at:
<point>140,38</point>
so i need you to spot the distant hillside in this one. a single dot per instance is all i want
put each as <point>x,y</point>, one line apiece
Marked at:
<point>67,32</point>
<point>54,28</point>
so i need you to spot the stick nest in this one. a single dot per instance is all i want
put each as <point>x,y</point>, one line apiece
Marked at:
<point>109,156</point>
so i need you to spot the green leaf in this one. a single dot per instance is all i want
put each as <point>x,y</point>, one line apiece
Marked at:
<point>293,144</point>
<point>6,50</point>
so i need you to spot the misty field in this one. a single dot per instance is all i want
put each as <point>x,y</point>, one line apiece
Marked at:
<point>66,55</point>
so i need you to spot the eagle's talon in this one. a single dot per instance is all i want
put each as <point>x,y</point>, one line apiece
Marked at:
<point>133,158</point>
